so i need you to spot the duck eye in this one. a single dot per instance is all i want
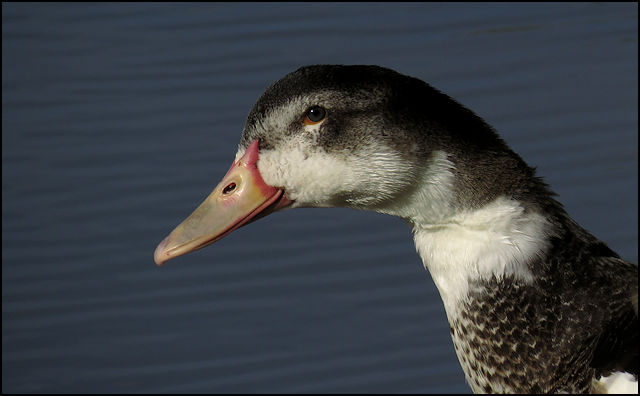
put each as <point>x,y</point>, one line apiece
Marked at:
<point>314,115</point>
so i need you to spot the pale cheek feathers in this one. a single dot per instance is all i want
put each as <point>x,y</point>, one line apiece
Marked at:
<point>307,179</point>
<point>312,177</point>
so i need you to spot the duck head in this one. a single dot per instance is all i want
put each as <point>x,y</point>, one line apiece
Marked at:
<point>364,137</point>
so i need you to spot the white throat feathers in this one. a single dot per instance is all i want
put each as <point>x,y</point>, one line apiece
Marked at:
<point>458,246</point>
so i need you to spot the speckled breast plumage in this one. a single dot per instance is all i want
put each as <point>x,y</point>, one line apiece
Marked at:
<point>512,337</point>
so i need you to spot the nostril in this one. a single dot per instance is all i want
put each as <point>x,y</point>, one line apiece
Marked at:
<point>229,188</point>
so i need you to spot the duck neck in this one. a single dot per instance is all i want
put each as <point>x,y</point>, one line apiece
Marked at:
<point>479,260</point>
<point>496,241</point>
<point>462,241</point>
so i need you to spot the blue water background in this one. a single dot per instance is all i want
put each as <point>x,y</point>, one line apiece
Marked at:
<point>118,119</point>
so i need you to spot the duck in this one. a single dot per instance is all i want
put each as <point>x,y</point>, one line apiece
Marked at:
<point>535,303</point>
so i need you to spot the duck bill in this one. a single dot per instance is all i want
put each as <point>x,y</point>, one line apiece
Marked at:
<point>241,197</point>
